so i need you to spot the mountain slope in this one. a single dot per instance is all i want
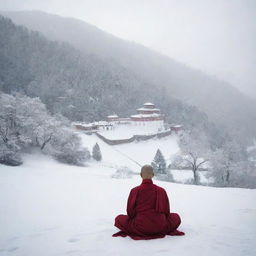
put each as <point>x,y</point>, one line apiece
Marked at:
<point>83,86</point>
<point>224,104</point>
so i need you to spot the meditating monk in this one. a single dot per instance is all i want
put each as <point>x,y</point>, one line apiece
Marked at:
<point>148,211</point>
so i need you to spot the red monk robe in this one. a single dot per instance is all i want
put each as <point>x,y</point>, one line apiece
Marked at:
<point>149,214</point>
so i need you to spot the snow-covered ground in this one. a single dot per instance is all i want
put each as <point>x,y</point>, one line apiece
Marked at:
<point>48,208</point>
<point>142,152</point>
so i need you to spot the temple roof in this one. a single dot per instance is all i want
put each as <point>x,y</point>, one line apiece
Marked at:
<point>147,115</point>
<point>148,104</point>
<point>148,109</point>
<point>112,116</point>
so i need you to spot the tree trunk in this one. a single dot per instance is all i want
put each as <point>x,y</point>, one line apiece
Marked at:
<point>45,142</point>
<point>227,176</point>
<point>196,178</point>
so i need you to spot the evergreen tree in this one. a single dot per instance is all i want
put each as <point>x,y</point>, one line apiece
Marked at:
<point>96,153</point>
<point>159,164</point>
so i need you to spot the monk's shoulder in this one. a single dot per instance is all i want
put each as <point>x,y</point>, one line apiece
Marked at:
<point>160,189</point>
<point>135,189</point>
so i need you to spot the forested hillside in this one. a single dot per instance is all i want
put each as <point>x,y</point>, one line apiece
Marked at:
<point>226,106</point>
<point>81,86</point>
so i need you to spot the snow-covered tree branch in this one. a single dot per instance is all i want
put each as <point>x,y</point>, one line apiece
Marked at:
<point>25,123</point>
<point>195,152</point>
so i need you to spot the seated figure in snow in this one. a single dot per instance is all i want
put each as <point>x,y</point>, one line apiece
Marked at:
<point>148,211</point>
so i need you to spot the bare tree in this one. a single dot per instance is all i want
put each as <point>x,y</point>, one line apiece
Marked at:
<point>195,152</point>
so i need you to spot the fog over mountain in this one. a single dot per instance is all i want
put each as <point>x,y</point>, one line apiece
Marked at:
<point>216,37</point>
<point>227,107</point>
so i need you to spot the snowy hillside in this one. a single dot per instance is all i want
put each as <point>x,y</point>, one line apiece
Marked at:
<point>49,208</point>
<point>143,152</point>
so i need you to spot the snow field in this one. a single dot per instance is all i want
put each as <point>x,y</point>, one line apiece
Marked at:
<point>142,152</point>
<point>49,208</point>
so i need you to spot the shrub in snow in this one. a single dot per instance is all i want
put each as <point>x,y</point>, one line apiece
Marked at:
<point>226,173</point>
<point>159,164</point>
<point>189,181</point>
<point>229,167</point>
<point>65,146</point>
<point>245,175</point>
<point>96,153</point>
<point>9,154</point>
<point>122,173</point>
<point>73,157</point>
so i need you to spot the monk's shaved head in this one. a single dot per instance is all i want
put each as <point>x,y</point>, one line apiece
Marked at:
<point>147,172</point>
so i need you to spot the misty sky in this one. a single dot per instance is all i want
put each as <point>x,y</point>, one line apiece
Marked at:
<point>216,36</point>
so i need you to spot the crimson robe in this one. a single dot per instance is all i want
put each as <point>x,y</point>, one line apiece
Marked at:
<point>148,214</point>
